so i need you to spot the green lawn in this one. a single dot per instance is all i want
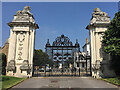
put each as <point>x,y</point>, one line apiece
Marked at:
<point>8,81</point>
<point>115,81</point>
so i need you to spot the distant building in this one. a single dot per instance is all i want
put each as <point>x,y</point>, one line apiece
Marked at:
<point>4,49</point>
<point>86,47</point>
<point>80,57</point>
<point>79,61</point>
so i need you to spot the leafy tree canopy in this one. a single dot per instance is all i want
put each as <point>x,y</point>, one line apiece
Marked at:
<point>41,58</point>
<point>111,38</point>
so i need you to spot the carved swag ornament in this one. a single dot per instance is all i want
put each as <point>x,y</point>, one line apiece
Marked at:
<point>11,65</point>
<point>21,39</point>
<point>25,66</point>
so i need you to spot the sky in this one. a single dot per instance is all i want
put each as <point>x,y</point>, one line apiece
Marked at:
<point>56,18</point>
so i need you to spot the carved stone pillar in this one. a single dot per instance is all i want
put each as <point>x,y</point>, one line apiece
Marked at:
<point>98,25</point>
<point>22,35</point>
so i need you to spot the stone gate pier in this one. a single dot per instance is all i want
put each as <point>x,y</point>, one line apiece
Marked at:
<point>21,44</point>
<point>100,60</point>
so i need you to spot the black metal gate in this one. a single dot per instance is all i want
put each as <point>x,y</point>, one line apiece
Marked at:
<point>56,72</point>
<point>52,71</point>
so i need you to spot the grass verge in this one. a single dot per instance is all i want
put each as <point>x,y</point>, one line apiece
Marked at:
<point>8,81</point>
<point>115,81</point>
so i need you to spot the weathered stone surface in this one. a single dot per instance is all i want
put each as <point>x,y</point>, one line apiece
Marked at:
<point>21,43</point>
<point>11,65</point>
<point>25,65</point>
<point>99,17</point>
<point>98,25</point>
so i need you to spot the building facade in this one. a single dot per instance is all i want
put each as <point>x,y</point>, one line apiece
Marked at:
<point>86,47</point>
<point>79,61</point>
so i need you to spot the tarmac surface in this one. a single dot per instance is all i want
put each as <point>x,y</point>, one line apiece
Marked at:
<point>65,82</point>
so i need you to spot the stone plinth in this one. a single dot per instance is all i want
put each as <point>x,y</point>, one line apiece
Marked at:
<point>21,44</point>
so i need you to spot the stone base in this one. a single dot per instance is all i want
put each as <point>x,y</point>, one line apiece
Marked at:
<point>19,73</point>
<point>105,71</point>
<point>96,74</point>
<point>10,73</point>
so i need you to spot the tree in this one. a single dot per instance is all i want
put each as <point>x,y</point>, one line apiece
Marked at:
<point>41,58</point>
<point>3,63</point>
<point>111,42</point>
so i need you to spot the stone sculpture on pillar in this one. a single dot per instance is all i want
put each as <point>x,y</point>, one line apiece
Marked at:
<point>97,26</point>
<point>21,44</point>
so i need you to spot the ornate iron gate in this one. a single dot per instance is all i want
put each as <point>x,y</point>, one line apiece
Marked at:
<point>61,51</point>
<point>47,72</point>
<point>56,72</point>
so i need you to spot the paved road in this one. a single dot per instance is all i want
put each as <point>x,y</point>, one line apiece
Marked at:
<point>64,82</point>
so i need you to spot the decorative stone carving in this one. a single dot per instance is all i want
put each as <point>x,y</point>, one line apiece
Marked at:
<point>96,66</point>
<point>24,15</point>
<point>19,12</point>
<point>99,16</point>
<point>25,65</point>
<point>21,37</point>
<point>21,18</point>
<point>21,45</point>
<point>11,65</point>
